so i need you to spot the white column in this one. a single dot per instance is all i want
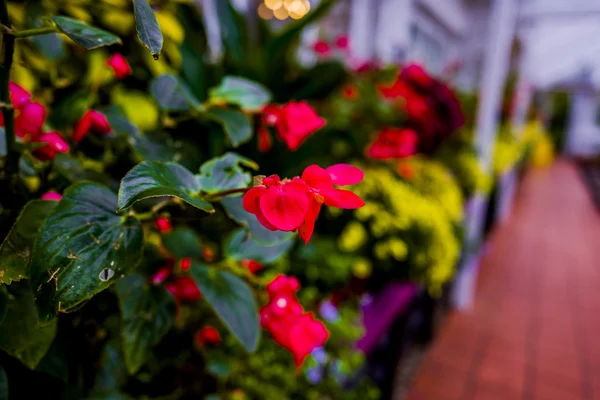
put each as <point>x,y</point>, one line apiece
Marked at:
<point>502,22</point>
<point>213,28</point>
<point>362,30</point>
<point>393,30</point>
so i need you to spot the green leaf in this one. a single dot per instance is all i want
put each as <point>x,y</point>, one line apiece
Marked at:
<point>234,208</point>
<point>3,302</point>
<point>232,300</point>
<point>50,45</point>
<point>240,91</point>
<point>241,245</point>
<point>172,94</point>
<point>83,34</point>
<point>56,361</point>
<point>183,242</point>
<point>3,384</point>
<point>231,30</point>
<point>20,333</point>
<point>2,142</point>
<point>16,250</point>
<point>218,363</point>
<point>237,125</point>
<point>74,171</point>
<point>147,27</point>
<point>147,313</point>
<point>112,373</point>
<point>83,248</point>
<point>157,179</point>
<point>225,173</point>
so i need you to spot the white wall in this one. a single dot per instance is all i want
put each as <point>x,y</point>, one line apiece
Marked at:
<point>583,134</point>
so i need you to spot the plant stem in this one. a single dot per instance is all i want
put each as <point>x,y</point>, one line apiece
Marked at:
<point>6,59</point>
<point>35,32</point>
<point>218,195</point>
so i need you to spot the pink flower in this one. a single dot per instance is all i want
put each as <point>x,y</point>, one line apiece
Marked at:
<point>183,288</point>
<point>290,326</point>
<point>294,204</point>
<point>55,144</point>
<point>92,121</point>
<point>19,96</point>
<point>51,195</point>
<point>297,121</point>
<point>321,47</point>
<point>120,66</point>
<point>341,42</point>
<point>161,275</point>
<point>30,121</point>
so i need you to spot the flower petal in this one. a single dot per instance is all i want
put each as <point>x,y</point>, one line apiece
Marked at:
<point>345,174</point>
<point>82,128</point>
<point>19,96</point>
<point>56,141</point>
<point>342,199</point>
<point>251,199</point>
<point>285,210</point>
<point>306,230</point>
<point>317,178</point>
<point>31,119</point>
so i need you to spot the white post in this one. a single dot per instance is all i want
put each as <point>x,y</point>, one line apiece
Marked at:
<point>362,30</point>
<point>393,30</point>
<point>213,28</point>
<point>503,17</point>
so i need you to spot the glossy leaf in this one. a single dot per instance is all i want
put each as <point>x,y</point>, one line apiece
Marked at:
<point>157,179</point>
<point>16,250</point>
<point>147,27</point>
<point>241,245</point>
<point>234,208</point>
<point>240,91</point>
<point>237,125</point>
<point>232,300</point>
<point>20,333</point>
<point>225,173</point>
<point>147,314</point>
<point>172,94</point>
<point>83,34</point>
<point>183,242</point>
<point>83,248</point>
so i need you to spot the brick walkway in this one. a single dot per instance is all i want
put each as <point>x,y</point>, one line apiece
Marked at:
<point>534,332</point>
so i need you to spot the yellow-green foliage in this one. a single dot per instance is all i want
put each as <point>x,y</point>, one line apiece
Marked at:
<point>409,229</point>
<point>432,179</point>
<point>538,143</point>
<point>507,151</point>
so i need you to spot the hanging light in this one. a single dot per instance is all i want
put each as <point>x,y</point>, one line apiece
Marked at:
<point>264,12</point>
<point>273,4</point>
<point>281,13</point>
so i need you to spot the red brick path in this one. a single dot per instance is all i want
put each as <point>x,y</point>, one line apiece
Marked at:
<point>534,333</point>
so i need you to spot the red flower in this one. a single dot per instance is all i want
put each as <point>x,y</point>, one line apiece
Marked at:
<point>55,144</point>
<point>163,224</point>
<point>294,122</point>
<point>321,47</point>
<point>51,195</point>
<point>92,121</point>
<point>417,76</point>
<point>207,336</point>
<point>119,65</point>
<point>252,266</point>
<point>161,275</point>
<point>394,143</point>
<point>30,121</point>
<point>350,92</point>
<point>290,326</point>
<point>406,170</point>
<point>19,96</point>
<point>184,289</point>
<point>185,264</point>
<point>341,42</point>
<point>290,205</point>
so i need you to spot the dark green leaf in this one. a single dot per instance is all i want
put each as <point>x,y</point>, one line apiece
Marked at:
<point>83,34</point>
<point>147,27</point>
<point>74,171</point>
<point>231,30</point>
<point>235,210</point>
<point>112,374</point>
<point>241,245</point>
<point>218,363</point>
<point>225,173</point>
<point>16,250</point>
<point>147,313</point>
<point>20,333</point>
<point>183,242</point>
<point>157,179</point>
<point>236,124</point>
<point>2,142</point>
<point>3,384</point>
<point>232,300</point>
<point>172,94</point>
<point>55,362</point>
<point>240,91</point>
<point>83,248</point>
<point>69,110</point>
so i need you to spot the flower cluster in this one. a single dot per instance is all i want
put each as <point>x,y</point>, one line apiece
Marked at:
<point>290,326</point>
<point>294,123</point>
<point>324,49</point>
<point>294,204</point>
<point>394,143</point>
<point>432,109</point>
<point>29,124</point>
